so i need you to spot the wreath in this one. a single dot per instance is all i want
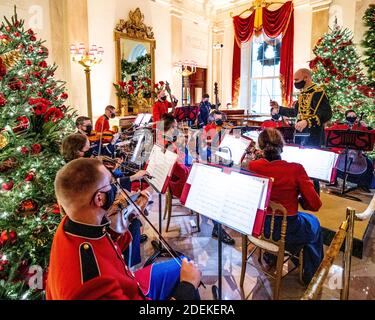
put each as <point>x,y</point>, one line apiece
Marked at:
<point>275,60</point>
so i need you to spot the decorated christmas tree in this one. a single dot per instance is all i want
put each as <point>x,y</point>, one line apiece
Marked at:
<point>337,68</point>
<point>369,44</point>
<point>33,121</point>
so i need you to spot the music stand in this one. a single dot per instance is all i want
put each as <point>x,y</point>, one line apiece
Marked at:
<point>186,113</point>
<point>349,139</point>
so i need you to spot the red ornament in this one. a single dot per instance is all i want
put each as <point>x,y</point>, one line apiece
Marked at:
<point>4,237</point>
<point>53,114</point>
<point>30,48</point>
<point>28,62</point>
<point>24,150</point>
<point>327,80</point>
<point>32,38</point>
<point>48,92</point>
<point>17,34</point>
<point>64,96</point>
<point>30,176</point>
<point>43,64</point>
<point>15,84</point>
<point>36,148</point>
<point>43,81</point>
<point>8,186</point>
<point>30,32</point>
<point>334,51</point>
<point>28,207</point>
<point>8,28</point>
<point>23,124</point>
<point>3,101</point>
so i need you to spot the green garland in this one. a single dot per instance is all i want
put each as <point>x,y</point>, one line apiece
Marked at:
<point>131,68</point>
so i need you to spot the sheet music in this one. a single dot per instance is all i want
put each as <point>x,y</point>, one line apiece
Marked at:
<point>146,118</point>
<point>160,166</point>
<point>138,120</point>
<point>232,199</point>
<point>317,163</point>
<point>237,147</point>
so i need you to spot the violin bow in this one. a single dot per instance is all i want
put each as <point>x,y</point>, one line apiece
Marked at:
<point>167,246</point>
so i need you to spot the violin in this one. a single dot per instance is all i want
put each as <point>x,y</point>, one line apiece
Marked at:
<point>105,137</point>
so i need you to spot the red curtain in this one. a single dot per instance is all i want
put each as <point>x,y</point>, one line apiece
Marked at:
<point>280,21</point>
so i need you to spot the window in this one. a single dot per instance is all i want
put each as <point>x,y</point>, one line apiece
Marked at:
<point>264,73</point>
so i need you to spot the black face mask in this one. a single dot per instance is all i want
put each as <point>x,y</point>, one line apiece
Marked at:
<point>351,120</point>
<point>163,98</point>
<point>300,85</point>
<point>113,115</point>
<point>275,117</point>
<point>110,197</point>
<point>219,122</point>
<point>87,154</point>
<point>88,129</point>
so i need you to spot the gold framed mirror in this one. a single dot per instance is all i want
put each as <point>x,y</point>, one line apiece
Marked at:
<point>135,65</point>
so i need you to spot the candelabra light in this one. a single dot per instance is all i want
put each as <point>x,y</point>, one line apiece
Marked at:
<point>186,68</point>
<point>87,58</point>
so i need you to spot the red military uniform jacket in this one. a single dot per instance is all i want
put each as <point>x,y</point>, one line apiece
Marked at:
<point>290,181</point>
<point>159,109</point>
<point>85,263</point>
<point>102,124</point>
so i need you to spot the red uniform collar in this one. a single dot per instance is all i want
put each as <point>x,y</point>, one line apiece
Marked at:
<point>86,230</point>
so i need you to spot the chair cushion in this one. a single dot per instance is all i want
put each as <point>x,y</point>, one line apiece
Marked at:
<point>266,245</point>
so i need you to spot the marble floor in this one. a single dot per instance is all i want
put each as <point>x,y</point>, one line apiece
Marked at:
<point>201,247</point>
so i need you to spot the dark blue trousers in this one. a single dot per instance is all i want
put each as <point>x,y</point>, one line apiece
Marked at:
<point>303,232</point>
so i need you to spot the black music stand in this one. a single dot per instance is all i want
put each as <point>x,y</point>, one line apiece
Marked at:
<point>349,139</point>
<point>159,250</point>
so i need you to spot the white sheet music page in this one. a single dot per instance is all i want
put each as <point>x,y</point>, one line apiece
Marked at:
<point>207,190</point>
<point>237,146</point>
<point>138,120</point>
<point>160,166</point>
<point>317,163</point>
<point>232,199</point>
<point>146,118</point>
<point>241,202</point>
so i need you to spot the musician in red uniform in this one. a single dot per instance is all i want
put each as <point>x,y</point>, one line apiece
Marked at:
<point>360,167</point>
<point>161,106</point>
<point>168,138</point>
<point>86,260</point>
<point>291,185</point>
<point>102,124</point>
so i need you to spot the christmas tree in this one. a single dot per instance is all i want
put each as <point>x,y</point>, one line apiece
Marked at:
<point>336,67</point>
<point>33,121</point>
<point>369,44</point>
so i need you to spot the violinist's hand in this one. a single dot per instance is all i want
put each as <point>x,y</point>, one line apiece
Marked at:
<point>115,215</point>
<point>301,125</point>
<point>139,175</point>
<point>190,273</point>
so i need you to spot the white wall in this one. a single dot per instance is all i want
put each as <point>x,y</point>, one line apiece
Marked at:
<point>103,17</point>
<point>302,36</point>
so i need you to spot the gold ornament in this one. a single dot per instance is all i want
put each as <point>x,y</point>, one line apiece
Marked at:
<point>10,58</point>
<point>4,42</point>
<point>3,141</point>
<point>373,75</point>
<point>135,26</point>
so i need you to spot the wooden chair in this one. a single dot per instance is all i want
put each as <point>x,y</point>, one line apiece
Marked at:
<point>168,211</point>
<point>276,248</point>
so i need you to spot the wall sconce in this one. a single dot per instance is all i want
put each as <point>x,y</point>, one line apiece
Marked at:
<point>87,59</point>
<point>186,68</point>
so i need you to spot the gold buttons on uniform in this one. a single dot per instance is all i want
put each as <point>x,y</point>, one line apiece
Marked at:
<point>86,246</point>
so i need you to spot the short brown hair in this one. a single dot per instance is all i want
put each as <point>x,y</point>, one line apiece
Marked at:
<point>271,142</point>
<point>81,120</point>
<point>168,120</point>
<point>109,107</point>
<point>77,178</point>
<point>71,145</point>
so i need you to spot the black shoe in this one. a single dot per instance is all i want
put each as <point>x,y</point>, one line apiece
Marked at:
<point>143,238</point>
<point>270,259</point>
<point>225,237</point>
